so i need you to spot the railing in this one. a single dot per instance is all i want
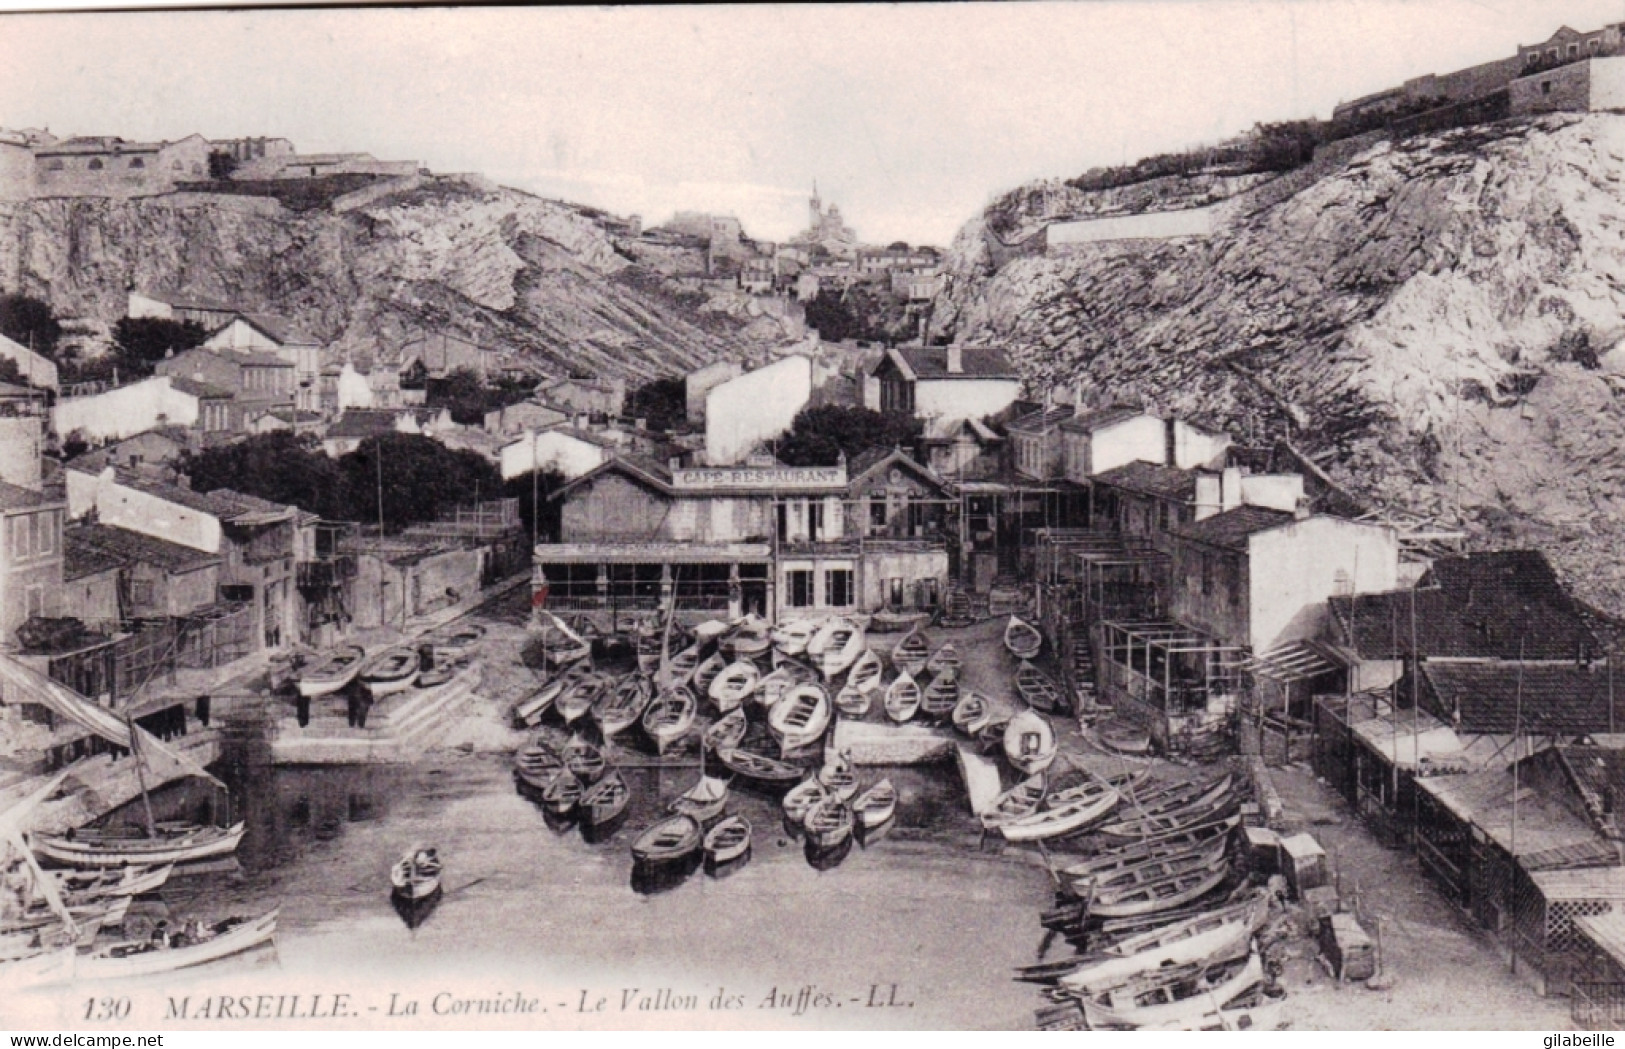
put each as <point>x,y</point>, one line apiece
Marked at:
<point>1598,1006</point>
<point>324,573</point>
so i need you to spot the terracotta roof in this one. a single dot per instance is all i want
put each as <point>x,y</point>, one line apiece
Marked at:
<point>978,362</point>
<point>198,389</point>
<point>228,505</point>
<point>13,497</point>
<point>1100,418</point>
<point>1493,605</point>
<point>1555,699</point>
<point>127,547</point>
<point>1041,420</point>
<point>1233,527</point>
<point>81,559</point>
<point>1163,482</point>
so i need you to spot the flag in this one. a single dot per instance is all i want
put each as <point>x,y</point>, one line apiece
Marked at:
<point>538,597</point>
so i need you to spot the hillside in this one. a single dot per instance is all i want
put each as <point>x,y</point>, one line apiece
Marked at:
<point>453,255</point>
<point>1438,322</point>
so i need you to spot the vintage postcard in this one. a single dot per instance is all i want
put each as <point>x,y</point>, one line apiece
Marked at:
<point>1068,516</point>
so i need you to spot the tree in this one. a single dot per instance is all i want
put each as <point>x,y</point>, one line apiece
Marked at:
<point>545,523</point>
<point>278,466</point>
<point>418,477</point>
<point>468,397</point>
<point>662,402</point>
<point>415,377</point>
<point>820,434</point>
<point>829,315</point>
<point>144,341</point>
<point>30,322</point>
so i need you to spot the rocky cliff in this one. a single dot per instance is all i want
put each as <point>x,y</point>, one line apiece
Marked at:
<point>549,281</point>
<point>1438,322</point>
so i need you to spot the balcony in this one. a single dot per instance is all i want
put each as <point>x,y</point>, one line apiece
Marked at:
<point>325,573</point>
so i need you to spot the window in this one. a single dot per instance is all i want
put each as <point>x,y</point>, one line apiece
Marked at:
<point>838,587</point>
<point>877,511</point>
<point>1545,87</point>
<point>800,585</point>
<point>1551,53</point>
<point>36,601</point>
<point>1574,50</point>
<point>141,592</point>
<point>894,592</point>
<point>94,165</point>
<point>137,162</point>
<point>1207,575</point>
<point>1531,58</point>
<point>46,542</point>
<point>19,537</point>
<point>1595,44</point>
<point>815,520</point>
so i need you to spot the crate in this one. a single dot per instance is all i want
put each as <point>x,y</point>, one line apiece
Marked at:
<point>1303,862</point>
<point>1349,952</point>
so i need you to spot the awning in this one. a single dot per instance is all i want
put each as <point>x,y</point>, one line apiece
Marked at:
<point>1293,661</point>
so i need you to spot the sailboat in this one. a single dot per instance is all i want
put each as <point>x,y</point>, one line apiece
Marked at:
<point>704,801</point>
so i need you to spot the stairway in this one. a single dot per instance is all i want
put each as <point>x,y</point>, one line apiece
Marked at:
<point>956,608</point>
<point>1082,670</point>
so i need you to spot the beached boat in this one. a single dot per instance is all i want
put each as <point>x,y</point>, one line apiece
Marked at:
<point>1199,803</point>
<point>332,671</point>
<point>618,708</point>
<point>890,621</point>
<point>791,636</point>
<point>1020,800</point>
<point>1221,943</point>
<point>910,654</point>
<point>181,844</point>
<point>529,711</point>
<point>990,737</point>
<point>800,718</point>
<point>1022,638</point>
<point>441,672</point>
<point>971,712</point>
<point>1037,689</point>
<point>416,874</point>
<point>1157,894</point>
<point>1174,997</point>
<point>876,805</point>
<point>561,792</point>
<point>1082,807</point>
<point>78,887</point>
<point>670,717</point>
<point>577,698</point>
<point>853,702</point>
<point>839,777</point>
<point>846,646</point>
<point>605,801</point>
<point>651,647</point>
<point>902,699</point>
<point>1029,743</point>
<point>706,674</point>
<point>773,686</point>
<point>939,698</point>
<point>1157,848</point>
<point>536,763</point>
<point>945,658</point>
<point>829,823</point>
<point>146,958</point>
<point>730,687</point>
<point>680,669</point>
<point>802,797</point>
<point>866,672</point>
<point>456,641</point>
<point>1251,911</point>
<point>704,801</point>
<point>728,840</point>
<point>1252,1011</point>
<point>770,772</point>
<point>822,635</point>
<point>1122,737</point>
<point>750,636</point>
<point>670,839</point>
<point>390,671</point>
<point>727,732</point>
<point>583,759</point>
<point>1151,869</point>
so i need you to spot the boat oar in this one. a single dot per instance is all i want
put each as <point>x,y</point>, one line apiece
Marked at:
<point>460,888</point>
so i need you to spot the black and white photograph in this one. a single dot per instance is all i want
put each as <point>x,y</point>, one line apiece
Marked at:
<point>1059,516</point>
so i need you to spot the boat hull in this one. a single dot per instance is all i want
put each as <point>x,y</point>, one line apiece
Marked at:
<point>81,854</point>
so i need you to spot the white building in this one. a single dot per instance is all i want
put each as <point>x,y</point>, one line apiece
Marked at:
<point>564,450</point>
<point>758,406</point>
<point>125,411</point>
<point>943,382</point>
<point>36,370</point>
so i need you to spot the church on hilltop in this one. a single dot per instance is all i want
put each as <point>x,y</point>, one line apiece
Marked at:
<point>825,229</point>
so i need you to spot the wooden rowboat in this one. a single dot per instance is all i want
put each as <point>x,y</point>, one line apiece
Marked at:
<point>680,669</point>
<point>727,732</point>
<point>1221,943</point>
<point>528,712</point>
<point>1123,737</point>
<point>146,958</point>
<point>1020,800</point>
<point>769,772</point>
<point>1037,688</point>
<point>605,801</point>
<point>1250,912</point>
<point>729,688</point>
<point>619,708</point>
<point>670,839</point>
<point>583,760</point>
<point>911,653</point>
<point>561,792</point>
<point>748,637</point>
<point>944,658</point>
<point>670,717</point>
<point>390,671</point>
<point>1022,638</point>
<point>182,845</point>
<point>971,713</point>
<point>456,641</point>
<point>416,875</point>
<point>1176,997</point>
<point>866,672</point>
<point>852,702</point>
<point>1159,894</point>
<point>941,696</point>
<point>1152,849</point>
<point>802,797</point>
<point>704,801</point>
<point>332,672</point>
<point>829,823</point>
<point>846,645</point>
<point>800,718</point>
<point>1029,743</point>
<point>791,636</point>
<point>876,805</point>
<point>80,887</point>
<point>1085,806</point>
<point>576,700</point>
<point>1195,804</point>
<point>990,737</point>
<point>1151,869</point>
<point>839,777</point>
<point>772,687</point>
<point>442,671</point>
<point>902,699</point>
<point>706,674</point>
<point>728,840</point>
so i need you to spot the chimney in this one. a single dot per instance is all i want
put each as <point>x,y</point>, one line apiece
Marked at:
<point>674,464</point>
<point>1207,496</point>
<point>1300,509</point>
<point>581,420</point>
<point>956,360</point>
<point>1229,489</point>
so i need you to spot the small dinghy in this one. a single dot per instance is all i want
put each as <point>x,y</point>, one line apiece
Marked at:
<point>888,621</point>
<point>941,695</point>
<point>704,801</point>
<point>727,732</point>
<point>456,642</point>
<point>670,717</point>
<point>791,636</point>
<point>605,801</point>
<point>821,637</point>
<point>1173,998</point>
<point>1015,803</point>
<point>112,961</point>
<point>990,737</point>
<point>1022,638</point>
<point>442,672</point>
<point>802,797</point>
<point>577,699</point>
<point>749,637</point>
<point>332,671</point>
<point>800,718</point>
<point>828,823</point>
<point>619,708</point>
<point>535,764</point>
<point>772,687</point>
<point>1123,737</point>
<point>1029,743</point>
<point>911,653</point>
<point>680,670</point>
<point>902,700</point>
<point>1118,859</point>
<point>866,672</point>
<point>876,805</point>
<point>729,689</point>
<point>1201,857</point>
<point>846,646</point>
<point>416,875</point>
<point>706,674</point>
<point>390,671</point>
<point>583,760</point>
<point>529,711</point>
<point>972,713</point>
<point>839,777</point>
<point>728,840</point>
<point>852,702</point>
<point>944,658</point>
<point>1159,894</point>
<point>81,887</point>
<point>769,772</point>
<point>561,792</point>
<point>670,839</point>
<point>1038,690</point>
<point>1079,808</point>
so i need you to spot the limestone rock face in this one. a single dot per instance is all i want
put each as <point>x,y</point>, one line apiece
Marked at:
<point>541,278</point>
<point>1440,322</point>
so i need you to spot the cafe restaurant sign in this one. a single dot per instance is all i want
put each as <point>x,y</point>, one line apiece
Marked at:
<point>759,478</point>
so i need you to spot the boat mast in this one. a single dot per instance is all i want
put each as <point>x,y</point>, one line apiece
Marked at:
<point>141,776</point>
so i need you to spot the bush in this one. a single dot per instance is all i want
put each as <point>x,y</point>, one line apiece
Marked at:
<point>820,434</point>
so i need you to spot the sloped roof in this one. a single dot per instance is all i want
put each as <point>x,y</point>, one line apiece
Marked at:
<point>199,389</point>
<point>127,547</point>
<point>1100,418</point>
<point>640,468</point>
<point>13,497</point>
<point>931,362</point>
<point>1041,420</point>
<point>1491,605</point>
<point>81,559</point>
<point>1550,699</point>
<point>1232,528</point>
<point>871,460</point>
<point>1548,834</point>
<point>1163,482</point>
<point>228,505</point>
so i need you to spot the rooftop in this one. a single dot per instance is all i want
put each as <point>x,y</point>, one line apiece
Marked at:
<point>1233,528</point>
<point>368,422</point>
<point>1042,420</point>
<point>229,506</point>
<point>1100,418</point>
<point>127,547</point>
<point>1164,482</point>
<point>198,389</point>
<point>1548,699</point>
<point>931,362</point>
<point>13,497</point>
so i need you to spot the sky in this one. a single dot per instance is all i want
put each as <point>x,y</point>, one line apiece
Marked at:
<point>910,117</point>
